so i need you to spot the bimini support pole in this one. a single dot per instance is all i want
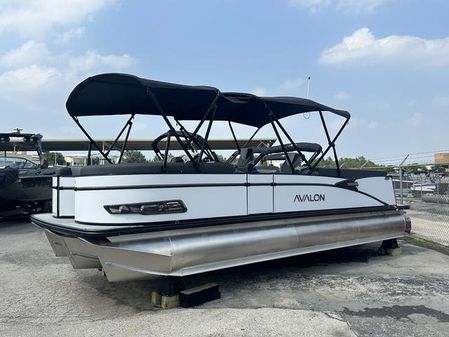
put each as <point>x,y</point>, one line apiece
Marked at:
<point>212,107</point>
<point>331,142</point>
<point>186,135</point>
<point>128,124</point>
<point>271,115</point>
<point>282,144</point>
<point>303,157</point>
<point>172,129</point>
<point>91,140</point>
<point>206,136</point>
<point>231,158</point>
<point>233,136</point>
<point>167,148</point>
<point>89,154</point>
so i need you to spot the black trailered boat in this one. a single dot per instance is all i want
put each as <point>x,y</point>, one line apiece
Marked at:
<point>195,213</point>
<point>25,183</point>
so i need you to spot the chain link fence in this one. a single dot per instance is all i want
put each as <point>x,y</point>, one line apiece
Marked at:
<point>428,197</point>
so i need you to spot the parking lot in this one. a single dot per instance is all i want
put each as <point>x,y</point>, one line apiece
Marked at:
<point>346,292</point>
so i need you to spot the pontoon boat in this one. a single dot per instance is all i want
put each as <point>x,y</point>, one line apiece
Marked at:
<point>192,213</point>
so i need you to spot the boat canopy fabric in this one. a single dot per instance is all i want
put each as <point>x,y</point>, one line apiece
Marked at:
<point>117,94</point>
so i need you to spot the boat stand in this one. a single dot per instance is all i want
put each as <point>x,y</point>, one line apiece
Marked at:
<point>171,293</point>
<point>390,247</point>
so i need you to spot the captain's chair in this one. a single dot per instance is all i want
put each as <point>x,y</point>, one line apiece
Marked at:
<point>245,162</point>
<point>295,158</point>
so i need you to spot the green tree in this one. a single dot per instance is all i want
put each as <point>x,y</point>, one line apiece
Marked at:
<point>415,168</point>
<point>156,159</point>
<point>132,156</point>
<point>55,158</point>
<point>357,162</point>
<point>353,163</point>
<point>327,162</point>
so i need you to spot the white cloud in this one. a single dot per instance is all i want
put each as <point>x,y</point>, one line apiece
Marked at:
<point>312,5</point>
<point>341,96</point>
<point>359,5</point>
<point>348,6</point>
<point>32,66</point>
<point>55,75</point>
<point>34,18</point>
<point>290,86</point>
<point>363,47</point>
<point>30,52</point>
<point>259,91</point>
<point>72,34</point>
<point>441,101</point>
<point>415,120</point>
<point>27,78</point>
<point>364,124</point>
<point>93,61</point>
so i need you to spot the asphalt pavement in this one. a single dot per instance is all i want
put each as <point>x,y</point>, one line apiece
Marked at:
<point>345,292</point>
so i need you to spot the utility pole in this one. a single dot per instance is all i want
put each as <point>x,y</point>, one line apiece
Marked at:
<point>400,179</point>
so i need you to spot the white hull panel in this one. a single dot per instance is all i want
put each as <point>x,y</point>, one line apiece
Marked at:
<point>213,195</point>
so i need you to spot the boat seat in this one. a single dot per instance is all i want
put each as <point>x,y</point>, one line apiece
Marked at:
<point>178,159</point>
<point>295,158</point>
<point>266,169</point>
<point>245,162</point>
<point>67,171</point>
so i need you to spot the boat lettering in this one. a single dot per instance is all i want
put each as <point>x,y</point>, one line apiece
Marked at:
<point>309,197</point>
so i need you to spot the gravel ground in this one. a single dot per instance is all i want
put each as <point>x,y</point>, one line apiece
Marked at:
<point>345,292</point>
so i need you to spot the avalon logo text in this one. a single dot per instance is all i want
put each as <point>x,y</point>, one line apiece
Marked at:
<point>309,197</point>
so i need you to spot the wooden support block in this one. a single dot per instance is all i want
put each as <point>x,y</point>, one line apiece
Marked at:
<point>168,302</point>
<point>155,298</point>
<point>394,251</point>
<point>199,295</point>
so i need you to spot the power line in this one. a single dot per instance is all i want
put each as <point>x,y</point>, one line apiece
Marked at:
<point>411,154</point>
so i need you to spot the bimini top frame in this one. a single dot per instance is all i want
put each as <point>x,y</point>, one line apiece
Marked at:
<point>119,94</point>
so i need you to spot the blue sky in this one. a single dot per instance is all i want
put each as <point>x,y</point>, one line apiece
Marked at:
<point>385,61</point>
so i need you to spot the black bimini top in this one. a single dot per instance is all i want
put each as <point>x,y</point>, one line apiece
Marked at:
<point>117,94</point>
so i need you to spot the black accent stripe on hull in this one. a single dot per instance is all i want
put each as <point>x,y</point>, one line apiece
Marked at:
<point>195,223</point>
<point>163,186</point>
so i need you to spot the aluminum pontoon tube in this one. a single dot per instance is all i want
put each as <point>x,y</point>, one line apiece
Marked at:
<point>190,251</point>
